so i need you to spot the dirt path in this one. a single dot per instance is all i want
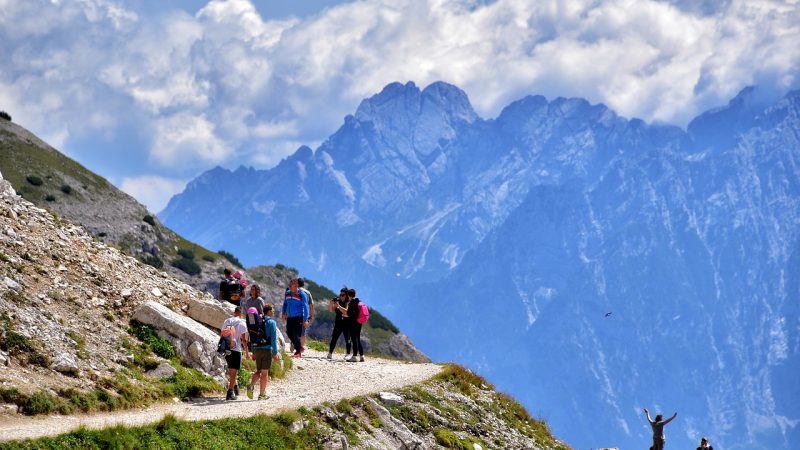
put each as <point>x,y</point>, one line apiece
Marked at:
<point>312,381</point>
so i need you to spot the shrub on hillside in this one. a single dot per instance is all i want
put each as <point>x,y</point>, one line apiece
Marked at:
<point>209,258</point>
<point>186,253</point>
<point>149,219</point>
<point>150,260</point>
<point>67,189</point>
<point>229,256</point>
<point>187,265</point>
<point>5,115</point>
<point>50,197</point>
<point>34,180</point>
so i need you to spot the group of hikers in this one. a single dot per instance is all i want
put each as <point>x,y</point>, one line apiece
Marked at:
<point>660,440</point>
<point>253,331</point>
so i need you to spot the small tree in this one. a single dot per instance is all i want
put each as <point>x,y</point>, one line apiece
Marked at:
<point>149,219</point>
<point>67,189</point>
<point>186,253</point>
<point>34,180</point>
<point>5,115</point>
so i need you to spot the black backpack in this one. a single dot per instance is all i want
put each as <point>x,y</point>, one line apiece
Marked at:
<point>231,290</point>
<point>224,346</point>
<point>256,330</point>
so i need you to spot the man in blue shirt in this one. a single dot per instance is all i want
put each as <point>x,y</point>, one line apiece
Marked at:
<point>295,313</point>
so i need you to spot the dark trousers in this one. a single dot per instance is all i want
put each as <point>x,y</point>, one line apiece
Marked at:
<point>339,328</point>
<point>294,328</point>
<point>355,336</point>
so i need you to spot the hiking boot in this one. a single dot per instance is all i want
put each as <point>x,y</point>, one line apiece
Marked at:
<point>230,395</point>
<point>250,391</point>
<point>296,355</point>
<point>236,390</point>
<point>346,355</point>
<point>263,397</point>
<point>353,359</point>
<point>362,359</point>
<point>330,356</point>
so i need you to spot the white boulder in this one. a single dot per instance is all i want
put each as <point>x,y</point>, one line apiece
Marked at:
<point>195,344</point>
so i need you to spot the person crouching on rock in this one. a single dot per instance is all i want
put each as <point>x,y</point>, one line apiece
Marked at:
<point>295,312</point>
<point>237,329</point>
<point>265,350</point>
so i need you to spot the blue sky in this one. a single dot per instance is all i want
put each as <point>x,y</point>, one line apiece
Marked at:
<point>151,93</point>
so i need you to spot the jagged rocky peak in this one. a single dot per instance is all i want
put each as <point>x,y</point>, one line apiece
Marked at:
<point>450,100</point>
<point>407,102</point>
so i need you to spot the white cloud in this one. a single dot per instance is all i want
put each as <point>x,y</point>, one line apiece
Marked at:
<point>225,85</point>
<point>152,191</point>
<point>184,139</point>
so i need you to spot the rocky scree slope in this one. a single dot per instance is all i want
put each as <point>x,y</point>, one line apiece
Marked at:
<point>66,301</point>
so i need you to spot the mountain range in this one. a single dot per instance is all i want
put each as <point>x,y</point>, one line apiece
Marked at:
<point>588,263</point>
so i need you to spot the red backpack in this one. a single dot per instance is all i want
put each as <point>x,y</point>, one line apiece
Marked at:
<point>363,313</point>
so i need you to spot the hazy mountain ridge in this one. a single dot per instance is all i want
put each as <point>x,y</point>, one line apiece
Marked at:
<point>569,211</point>
<point>694,255</point>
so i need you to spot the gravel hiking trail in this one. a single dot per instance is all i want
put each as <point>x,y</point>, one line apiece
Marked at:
<point>313,380</point>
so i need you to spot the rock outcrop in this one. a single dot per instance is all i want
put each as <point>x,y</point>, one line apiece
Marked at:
<point>195,344</point>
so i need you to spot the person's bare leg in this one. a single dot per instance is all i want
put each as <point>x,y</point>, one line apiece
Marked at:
<point>262,388</point>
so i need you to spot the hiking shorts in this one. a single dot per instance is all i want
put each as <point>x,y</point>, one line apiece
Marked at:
<point>263,358</point>
<point>234,360</point>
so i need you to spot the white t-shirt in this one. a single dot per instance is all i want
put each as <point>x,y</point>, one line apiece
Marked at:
<point>240,328</point>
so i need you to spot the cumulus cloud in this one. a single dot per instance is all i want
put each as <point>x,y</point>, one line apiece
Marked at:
<point>152,191</point>
<point>225,86</point>
<point>185,139</point>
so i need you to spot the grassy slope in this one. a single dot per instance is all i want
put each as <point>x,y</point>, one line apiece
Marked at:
<point>455,410</point>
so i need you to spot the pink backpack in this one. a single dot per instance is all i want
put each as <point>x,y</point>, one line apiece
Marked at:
<point>363,313</point>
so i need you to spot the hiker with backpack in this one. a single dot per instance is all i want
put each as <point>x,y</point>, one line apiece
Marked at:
<point>357,316</point>
<point>254,300</point>
<point>659,439</point>
<point>235,329</point>
<point>301,283</point>
<point>295,313</point>
<point>263,333</point>
<point>230,289</point>
<point>339,306</point>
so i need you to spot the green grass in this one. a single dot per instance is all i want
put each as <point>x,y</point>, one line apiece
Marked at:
<point>155,343</point>
<point>17,157</point>
<point>171,433</point>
